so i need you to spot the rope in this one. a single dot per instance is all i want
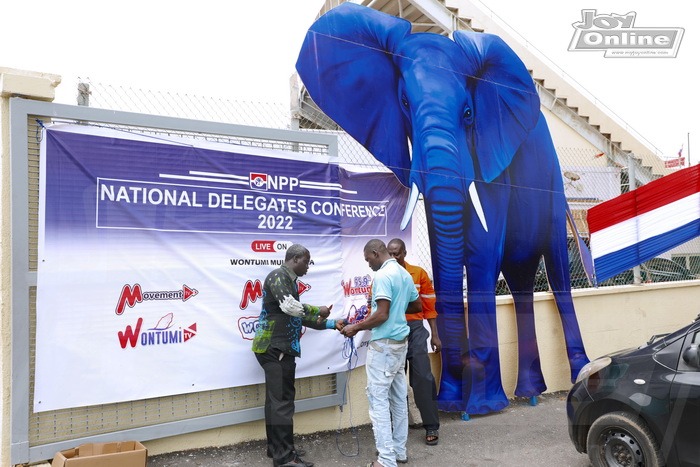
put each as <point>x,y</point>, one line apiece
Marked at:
<point>349,352</point>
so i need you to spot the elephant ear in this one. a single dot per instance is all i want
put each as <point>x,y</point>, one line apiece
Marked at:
<point>506,103</point>
<point>346,64</point>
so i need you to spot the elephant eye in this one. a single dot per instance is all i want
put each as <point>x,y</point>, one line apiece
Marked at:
<point>468,115</point>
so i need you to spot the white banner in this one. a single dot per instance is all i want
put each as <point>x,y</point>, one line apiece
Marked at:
<point>153,251</point>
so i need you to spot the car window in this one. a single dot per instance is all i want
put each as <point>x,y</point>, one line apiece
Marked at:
<point>692,340</point>
<point>669,355</point>
<point>664,270</point>
<point>666,266</point>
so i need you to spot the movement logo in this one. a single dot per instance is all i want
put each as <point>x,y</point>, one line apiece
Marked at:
<point>160,334</point>
<point>132,295</point>
<point>617,36</point>
<point>252,290</point>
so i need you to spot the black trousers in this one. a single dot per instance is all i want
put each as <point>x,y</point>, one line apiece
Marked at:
<point>279,402</point>
<point>421,377</point>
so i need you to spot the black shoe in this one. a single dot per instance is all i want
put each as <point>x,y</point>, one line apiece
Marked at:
<point>300,452</point>
<point>287,464</point>
<point>295,462</point>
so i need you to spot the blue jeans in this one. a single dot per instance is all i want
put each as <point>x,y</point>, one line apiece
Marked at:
<point>386,392</point>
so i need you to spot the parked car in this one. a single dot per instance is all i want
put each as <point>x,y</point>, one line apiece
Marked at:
<point>640,407</point>
<point>664,270</point>
<point>654,270</point>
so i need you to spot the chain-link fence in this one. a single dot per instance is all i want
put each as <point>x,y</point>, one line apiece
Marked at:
<point>589,176</point>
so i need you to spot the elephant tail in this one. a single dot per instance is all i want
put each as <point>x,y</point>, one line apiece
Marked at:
<point>584,252</point>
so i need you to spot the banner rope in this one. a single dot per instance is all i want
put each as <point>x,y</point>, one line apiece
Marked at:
<point>349,352</point>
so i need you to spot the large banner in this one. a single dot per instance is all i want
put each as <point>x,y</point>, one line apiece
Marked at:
<point>153,250</point>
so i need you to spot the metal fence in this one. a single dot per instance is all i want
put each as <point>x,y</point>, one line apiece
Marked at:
<point>37,436</point>
<point>589,176</point>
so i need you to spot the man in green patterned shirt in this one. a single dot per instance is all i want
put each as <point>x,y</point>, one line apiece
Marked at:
<point>276,346</point>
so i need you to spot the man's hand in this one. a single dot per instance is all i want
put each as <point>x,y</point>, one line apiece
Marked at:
<point>339,325</point>
<point>350,330</point>
<point>435,343</point>
<point>325,311</point>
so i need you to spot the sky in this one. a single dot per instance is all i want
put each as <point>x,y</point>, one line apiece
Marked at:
<point>246,50</point>
<point>656,97</point>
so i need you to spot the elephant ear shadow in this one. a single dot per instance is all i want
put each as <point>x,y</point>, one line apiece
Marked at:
<point>506,103</point>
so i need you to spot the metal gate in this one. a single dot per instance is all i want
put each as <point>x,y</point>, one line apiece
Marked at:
<point>37,436</point>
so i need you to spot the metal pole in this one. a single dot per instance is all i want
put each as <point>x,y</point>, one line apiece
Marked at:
<point>84,94</point>
<point>632,180</point>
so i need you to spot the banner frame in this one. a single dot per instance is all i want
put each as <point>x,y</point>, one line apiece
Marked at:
<point>24,277</point>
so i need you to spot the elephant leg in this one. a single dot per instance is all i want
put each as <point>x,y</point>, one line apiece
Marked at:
<point>471,380</point>
<point>575,350</point>
<point>486,393</point>
<point>454,383</point>
<point>483,255</point>
<point>521,280</point>
<point>559,279</point>
<point>530,379</point>
<point>482,268</point>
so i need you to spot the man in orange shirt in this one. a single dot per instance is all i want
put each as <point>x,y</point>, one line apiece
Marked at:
<point>420,374</point>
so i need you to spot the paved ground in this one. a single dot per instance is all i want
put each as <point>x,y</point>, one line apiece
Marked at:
<point>521,435</point>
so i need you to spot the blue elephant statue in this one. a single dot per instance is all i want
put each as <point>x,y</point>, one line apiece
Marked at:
<point>458,121</point>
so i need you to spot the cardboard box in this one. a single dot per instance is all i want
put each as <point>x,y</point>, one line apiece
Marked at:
<point>120,454</point>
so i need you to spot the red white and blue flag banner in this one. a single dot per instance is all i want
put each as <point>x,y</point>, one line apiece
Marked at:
<point>153,250</point>
<point>643,223</point>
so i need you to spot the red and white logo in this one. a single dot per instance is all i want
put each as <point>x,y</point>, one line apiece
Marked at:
<point>258,181</point>
<point>268,246</point>
<point>263,246</point>
<point>130,296</point>
<point>252,290</point>
<point>302,287</point>
<point>189,332</point>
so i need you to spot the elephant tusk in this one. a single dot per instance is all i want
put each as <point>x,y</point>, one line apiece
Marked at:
<point>410,206</point>
<point>477,205</point>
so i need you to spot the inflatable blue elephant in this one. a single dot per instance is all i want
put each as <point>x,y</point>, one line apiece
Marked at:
<point>458,121</point>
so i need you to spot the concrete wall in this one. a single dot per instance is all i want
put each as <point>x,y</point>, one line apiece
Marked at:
<point>610,318</point>
<point>32,85</point>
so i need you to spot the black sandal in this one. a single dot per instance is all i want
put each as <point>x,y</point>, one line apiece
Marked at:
<point>431,437</point>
